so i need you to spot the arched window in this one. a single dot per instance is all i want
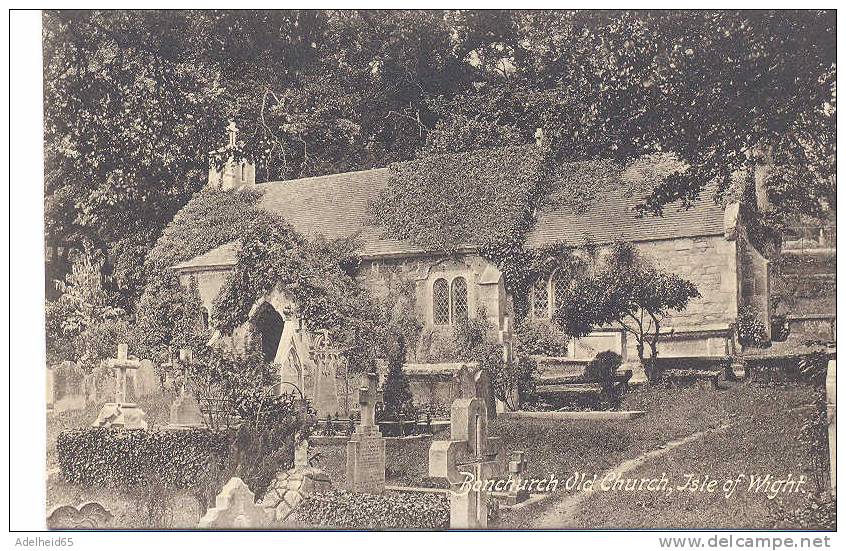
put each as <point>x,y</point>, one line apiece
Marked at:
<point>458,296</point>
<point>204,319</point>
<point>559,284</point>
<point>540,298</point>
<point>243,171</point>
<point>440,302</point>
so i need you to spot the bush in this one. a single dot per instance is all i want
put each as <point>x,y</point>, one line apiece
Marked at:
<point>397,394</point>
<point>603,366</point>
<point>116,457</point>
<point>749,328</point>
<point>391,511</point>
<point>539,338</point>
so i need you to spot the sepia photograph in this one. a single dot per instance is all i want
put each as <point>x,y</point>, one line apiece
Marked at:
<point>441,269</point>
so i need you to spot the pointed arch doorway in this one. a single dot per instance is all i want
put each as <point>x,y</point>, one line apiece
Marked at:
<point>268,324</point>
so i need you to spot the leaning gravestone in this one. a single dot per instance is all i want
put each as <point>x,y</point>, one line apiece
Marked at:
<point>469,453</point>
<point>235,507</point>
<point>366,447</point>
<point>121,413</point>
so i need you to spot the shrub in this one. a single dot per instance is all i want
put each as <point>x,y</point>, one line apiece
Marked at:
<point>397,394</point>
<point>116,457</point>
<point>749,328</point>
<point>603,366</point>
<point>343,509</point>
<point>538,338</point>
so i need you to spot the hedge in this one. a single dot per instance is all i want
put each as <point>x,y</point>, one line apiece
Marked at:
<point>111,457</point>
<point>388,511</point>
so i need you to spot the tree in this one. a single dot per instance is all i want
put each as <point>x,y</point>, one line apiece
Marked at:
<point>82,319</point>
<point>397,394</point>
<point>625,289</point>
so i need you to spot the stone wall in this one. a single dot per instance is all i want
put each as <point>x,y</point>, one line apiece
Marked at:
<point>485,288</point>
<point>710,262</point>
<point>209,283</point>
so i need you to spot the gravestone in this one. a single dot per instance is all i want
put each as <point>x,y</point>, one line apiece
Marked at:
<point>506,340</point>
<point>185,410</point>
<point>327,359</point>
<point>289,488</point>
<point>145,381</point>
<point>831,407</point>
<point>366,447</point>
<point>89,515</point>
<point>100,385</point>
<point>468,456</point>
<point>121,413</point>
<point>68,387</point>
<point>517,465</point>
<point>474,382</point>
<point>235,507</point>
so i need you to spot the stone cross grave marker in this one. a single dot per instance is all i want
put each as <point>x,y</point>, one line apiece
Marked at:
<point>121,364</point>
<point>467,461</point>
<point>506,339</point>
<point>831,406</point>
<point>121,413</point>
<point>366,447</point>
<point>235,507</point>
<point>517,465</point>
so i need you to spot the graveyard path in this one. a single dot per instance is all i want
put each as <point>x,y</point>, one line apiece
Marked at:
<point>560,509</point>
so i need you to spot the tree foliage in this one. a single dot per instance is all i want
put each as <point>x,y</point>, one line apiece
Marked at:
<point>135,100</point>
<point>397,394</point>
<point>627,290</point>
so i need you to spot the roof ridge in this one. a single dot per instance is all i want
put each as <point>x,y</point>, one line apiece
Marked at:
<point>319,177</point>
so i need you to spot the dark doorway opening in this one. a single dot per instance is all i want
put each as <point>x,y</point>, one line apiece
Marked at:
<point>269,325</point>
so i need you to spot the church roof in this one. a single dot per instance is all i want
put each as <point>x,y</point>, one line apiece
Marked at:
<point>336,206</point>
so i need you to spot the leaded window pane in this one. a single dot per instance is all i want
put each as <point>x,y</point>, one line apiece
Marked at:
<point>560,284</point>
<point>540,298</point>
<point>440,302</point>
<point>459,299</point>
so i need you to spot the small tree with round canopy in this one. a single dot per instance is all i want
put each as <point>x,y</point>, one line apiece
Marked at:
<point>627,289</point>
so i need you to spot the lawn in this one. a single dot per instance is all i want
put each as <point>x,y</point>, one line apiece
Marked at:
<point>762,438</point>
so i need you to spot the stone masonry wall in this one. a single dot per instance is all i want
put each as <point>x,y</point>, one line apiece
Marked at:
<point>709,262</point>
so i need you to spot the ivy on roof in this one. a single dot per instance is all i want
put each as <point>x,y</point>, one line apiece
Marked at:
<point>443,202</point>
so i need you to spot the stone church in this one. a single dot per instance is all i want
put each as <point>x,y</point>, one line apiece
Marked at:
<point>706,244</point>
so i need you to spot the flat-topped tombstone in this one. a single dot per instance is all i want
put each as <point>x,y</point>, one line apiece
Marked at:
<point>121,413</point>
<point>366,447</point>
<point>469,456</point>
<point>235,507</point>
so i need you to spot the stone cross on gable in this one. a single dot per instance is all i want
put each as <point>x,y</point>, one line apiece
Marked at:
<point>120,365</point>
<point>470,455</point>
<point>368,396</point>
